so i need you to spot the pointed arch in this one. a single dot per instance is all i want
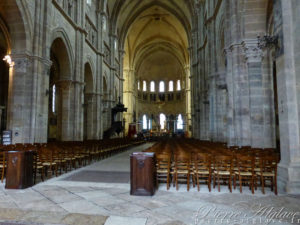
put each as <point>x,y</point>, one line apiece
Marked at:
<point>88,78</point>
<point>60,33</point>
<point>15,16</point>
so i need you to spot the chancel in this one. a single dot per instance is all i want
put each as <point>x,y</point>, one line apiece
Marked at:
<point>201,94</point>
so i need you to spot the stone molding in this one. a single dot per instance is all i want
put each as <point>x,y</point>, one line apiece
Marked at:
<point>64,84</point>
<point>251,50</point>
<point>21,64</point>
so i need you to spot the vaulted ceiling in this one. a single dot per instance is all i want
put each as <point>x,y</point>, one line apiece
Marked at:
<point>153,32</point>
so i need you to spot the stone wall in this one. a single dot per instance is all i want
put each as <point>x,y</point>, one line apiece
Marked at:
<point>35,27</point>
<point>237,99</point>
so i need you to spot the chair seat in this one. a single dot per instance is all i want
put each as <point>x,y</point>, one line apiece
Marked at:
<point>70,158</point>
<point>49,164</point>
<point>266,174</point>
<point>244,173</point>
<point>201,172</point>
<point>182,171</point>
<point>222,172</point>
<point>162,171</point>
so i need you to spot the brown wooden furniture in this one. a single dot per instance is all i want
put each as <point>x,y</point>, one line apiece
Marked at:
<point>2,165</point>
<point>223,170</point>
<point>163,167</point>
<point>142,174</point>
<point>19,174</point>
<point>202,169</point>
<point>268,171</point>
<point>245,173</point>
<point>182,169</point>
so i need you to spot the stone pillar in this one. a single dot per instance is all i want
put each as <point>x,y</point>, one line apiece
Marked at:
<point>221,103</point>
<point>19,95</point>
<point>231,132</point>
<point>65,126</point>
<point>188,114</point>
<point>76,106</point>
<point>98,116</point>
<point>129,96</point>
<point>212,108</point>
<point>239,129</point>
<point>90,104</point>
<point>254,57</point>
<point>288,94</point>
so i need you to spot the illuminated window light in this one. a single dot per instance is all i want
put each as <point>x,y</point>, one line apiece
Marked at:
<point>161,86</point>
<point>144,122</point>
<point>152,86</point>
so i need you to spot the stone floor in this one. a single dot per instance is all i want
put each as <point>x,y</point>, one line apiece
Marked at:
<point>61,201</point>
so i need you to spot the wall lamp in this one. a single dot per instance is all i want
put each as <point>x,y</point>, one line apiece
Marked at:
<point>267,41</point>
<point>8,60</point>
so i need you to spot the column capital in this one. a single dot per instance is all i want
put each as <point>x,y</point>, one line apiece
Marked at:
<point>64,84</point>
<point>20,63</point>
<point>252,52</point>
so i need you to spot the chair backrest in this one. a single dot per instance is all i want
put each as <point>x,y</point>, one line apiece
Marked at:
<point>163,161</point>
<point>223,163</point>
<point>202,161</point>
<point>268,163</point>
<point>245,163</point>
<point>182,161</point>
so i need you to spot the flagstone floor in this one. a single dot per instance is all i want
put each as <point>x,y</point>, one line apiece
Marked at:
<point>62,201</point>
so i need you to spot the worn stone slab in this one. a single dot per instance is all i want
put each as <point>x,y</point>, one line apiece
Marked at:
<point>118,220</point>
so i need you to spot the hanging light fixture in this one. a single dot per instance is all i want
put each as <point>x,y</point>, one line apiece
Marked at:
<point>267,41</point>
<point>8,60</point>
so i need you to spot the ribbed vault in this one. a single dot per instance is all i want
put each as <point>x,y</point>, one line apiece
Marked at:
<point>155,36</point>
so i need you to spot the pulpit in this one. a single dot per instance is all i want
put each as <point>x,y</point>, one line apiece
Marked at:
<point>142,173</point>
<point>19,173</point>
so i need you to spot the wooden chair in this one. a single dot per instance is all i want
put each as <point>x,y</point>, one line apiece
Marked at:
<point>46,159</point>
<point>37,167</point>
<point>163,168</point>
<point>182,166</point>
<point>2,165</point>
<point>245,171</point>
<point>202,168</point>
<point>268,171</point>
<point>223,170</point>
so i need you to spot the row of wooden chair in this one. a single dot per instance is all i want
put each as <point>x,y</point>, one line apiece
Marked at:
<point>192,160</point>
<point>56,157</point>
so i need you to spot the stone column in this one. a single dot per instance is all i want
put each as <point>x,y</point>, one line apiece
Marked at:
<point>65,126</point>
<point>221,109</point>
<point>20,90</point>
<point>90,99</point>
<point>76,103</point>
<point>253,56</point>
<point>231,132</point>
<point>188,99</point>
<point>212,107</point>
<point>288,94</point>
<point>129,96</point>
